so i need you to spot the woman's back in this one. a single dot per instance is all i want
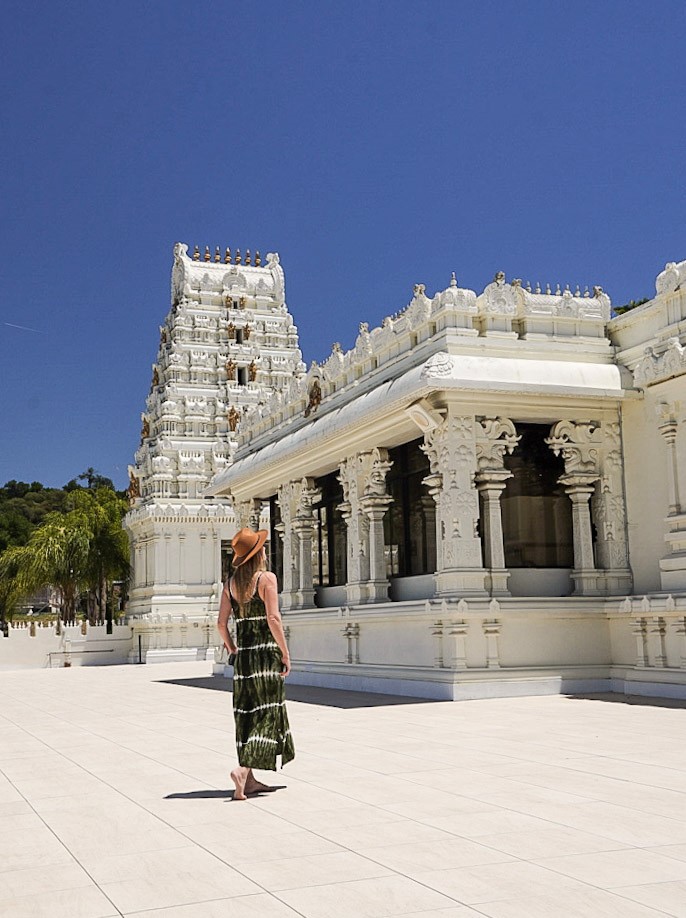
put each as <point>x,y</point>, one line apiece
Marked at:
<point>259,701</point>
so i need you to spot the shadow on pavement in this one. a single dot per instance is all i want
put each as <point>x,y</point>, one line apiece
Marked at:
<point>616,698</point>
<point>309,694</point>
<point>222,794</point>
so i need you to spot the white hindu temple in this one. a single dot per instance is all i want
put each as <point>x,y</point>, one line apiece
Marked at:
<point>485,496</point>
<point>227,341</point>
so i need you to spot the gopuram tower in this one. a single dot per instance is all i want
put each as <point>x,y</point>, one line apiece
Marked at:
<point>226,344</point>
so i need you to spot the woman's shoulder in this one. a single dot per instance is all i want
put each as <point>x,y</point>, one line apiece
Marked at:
<point>267,579</point>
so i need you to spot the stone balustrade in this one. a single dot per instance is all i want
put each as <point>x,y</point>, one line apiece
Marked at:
<point>34,644</point>
<point>507,311</point>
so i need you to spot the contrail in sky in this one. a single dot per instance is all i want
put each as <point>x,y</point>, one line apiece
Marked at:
<point>24,328</point>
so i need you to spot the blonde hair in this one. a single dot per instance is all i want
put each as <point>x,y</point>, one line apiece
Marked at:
<point>243,577</point>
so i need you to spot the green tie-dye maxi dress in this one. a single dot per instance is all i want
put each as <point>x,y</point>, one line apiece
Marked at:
<point>259,697</point>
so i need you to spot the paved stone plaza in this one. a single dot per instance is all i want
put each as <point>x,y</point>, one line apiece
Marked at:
<point>115,800</point>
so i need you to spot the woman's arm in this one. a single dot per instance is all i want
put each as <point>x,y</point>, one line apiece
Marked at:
<point>269,594</point>
<point>223,620</point>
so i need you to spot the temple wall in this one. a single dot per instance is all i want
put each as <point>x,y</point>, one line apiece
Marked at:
<point>74,645</point>
<point>645,464</point>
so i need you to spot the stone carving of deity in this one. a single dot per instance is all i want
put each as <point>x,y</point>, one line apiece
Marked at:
<point>134,489</point>
<point>315,399</point>
<point>230,369</point>
<point>252,371</point>
<point>231,331</point>
<point>233,418</point>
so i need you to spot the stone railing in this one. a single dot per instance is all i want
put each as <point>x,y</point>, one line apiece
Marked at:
<point>649,635</point>
<point>32,645</point>
<point>506,311</point>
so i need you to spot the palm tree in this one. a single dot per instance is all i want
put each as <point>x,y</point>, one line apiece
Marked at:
<point>56,554</point>
<point>102,511</point>
<point>83,549</point>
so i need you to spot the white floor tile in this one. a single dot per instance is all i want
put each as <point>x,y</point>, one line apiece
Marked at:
<point>378,898</point>
<point>666,897</point>
<point>618,868</point>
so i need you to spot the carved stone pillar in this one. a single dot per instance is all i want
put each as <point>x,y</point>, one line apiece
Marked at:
<point>451,448</point>
<point>296,531</point>
<point>609,514</point>
<point>579,488</point>
<point>303,529</point>
<point>495,437</point>
<point>668,425</point>
<point>579,442</point>
<point>366,501</point>
<point>673,566</point>
<point>247,513</point>
<point>491,485</point>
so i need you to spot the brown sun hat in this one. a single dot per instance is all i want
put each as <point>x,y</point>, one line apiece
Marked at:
<point>247,543</point>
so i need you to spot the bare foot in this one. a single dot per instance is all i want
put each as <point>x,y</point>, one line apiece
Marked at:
<point>238,776</point>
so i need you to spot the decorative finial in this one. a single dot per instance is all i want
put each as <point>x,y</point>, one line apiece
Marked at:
<point>558,292</point>
<point>586,293</point>
<point>538,287</point>
<point>547,288</point>
<point>258,259</point>
<point>196,253</point>
<point>528,286</point>
<point>453,280</point>
<point>207,253</point>
<point>247,257</point>
<point>567,288</point>
<point>217,255</point>
<point>577,292</point>
<point>237,257</point>
<point>227,256</point>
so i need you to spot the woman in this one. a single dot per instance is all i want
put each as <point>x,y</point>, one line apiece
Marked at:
<point>262,663</point>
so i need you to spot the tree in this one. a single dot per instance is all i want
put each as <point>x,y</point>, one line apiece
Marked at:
<point>23,506</point>
<point>71,539</point>
<point>57,554</point>
<point>93,479</point>
<point>632,304</point>
<point>108,555</point>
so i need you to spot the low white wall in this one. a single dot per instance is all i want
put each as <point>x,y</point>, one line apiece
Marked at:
<point>26,647</point>
<point>479,648</point>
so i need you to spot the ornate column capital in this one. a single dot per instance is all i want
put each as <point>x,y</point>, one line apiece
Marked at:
<point>668,419</point>
<point>495,436</point>
<point>579,443</point>
<point>492,479</point>
<point>581,484</point>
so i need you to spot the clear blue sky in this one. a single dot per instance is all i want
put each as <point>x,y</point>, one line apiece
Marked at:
<point>374,145</point>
